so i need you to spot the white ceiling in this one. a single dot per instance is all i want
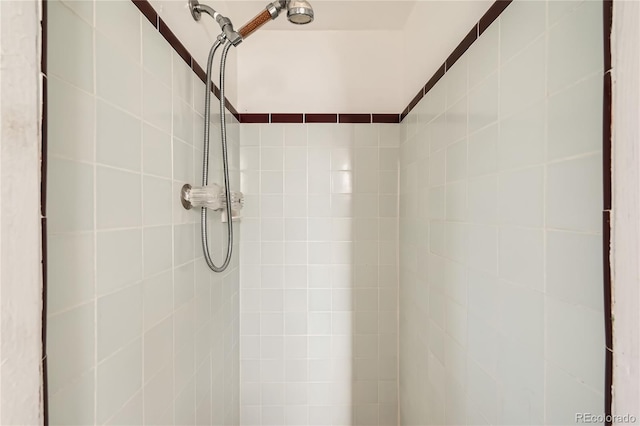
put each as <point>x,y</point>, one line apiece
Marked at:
<point>361,55</point>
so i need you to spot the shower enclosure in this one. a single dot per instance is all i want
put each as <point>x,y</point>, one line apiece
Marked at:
<point>436,265</point>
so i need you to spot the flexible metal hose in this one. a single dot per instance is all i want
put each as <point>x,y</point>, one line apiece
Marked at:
<point>225,161</point>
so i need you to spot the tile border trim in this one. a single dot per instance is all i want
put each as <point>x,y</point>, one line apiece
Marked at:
<point>43,207</point>
<point>265,118</point>
<point>607,102</point>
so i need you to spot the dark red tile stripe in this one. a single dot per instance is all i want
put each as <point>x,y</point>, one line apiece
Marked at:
<point>434,79</point>
<point>321,118</point>
<point>148,11</point>
<point>43,29</point>
<point>416,99</point>
<point>45,369</point>
<point>606,141</point>
<point>174,42</point>
<point>462,47</point>
<point>354,118</point>
<point>253,118</point>
<point>197,69</point>
<point>607,100</point>
<point>492,14</point>
<point>287,118</point>
<point>608,318</point>
<point>44,146</point>
<point>231,108</point>
<point>607,6</point>
<point>385,118</point>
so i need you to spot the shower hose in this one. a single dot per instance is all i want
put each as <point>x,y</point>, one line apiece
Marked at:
<point>225,162</point>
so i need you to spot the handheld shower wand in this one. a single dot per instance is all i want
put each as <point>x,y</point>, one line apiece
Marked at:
<point>298,12</point>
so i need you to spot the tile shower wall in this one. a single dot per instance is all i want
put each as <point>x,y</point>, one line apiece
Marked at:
<point>500,227</point>
<point>319,274</point>
<point>139,330</point>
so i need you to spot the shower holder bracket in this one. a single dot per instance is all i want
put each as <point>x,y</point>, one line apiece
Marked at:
<point>211,197</point>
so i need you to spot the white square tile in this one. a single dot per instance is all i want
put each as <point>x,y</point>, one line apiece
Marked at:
<point>271,135</point>
<point>574,194</point>
<point>156,152</point>
<point>483,103</point>
<point>156,201</point>
<point>567,396</point>
<point>568,63</point>
<point>70,270</point>
<point>158,299</point>
<point>574,268</point>
<point>520,197</point>
<point>157,104</point>
<point>74,63</point>
<point>118,78</point>
<point>119,320</point>
<point>482,152</point>
<point>120,22</point>
<point>70,196</point>
<point>119,198</point>
<point>75,403</point>
<point>71,339</point>
<point>520,24</point>
<point>574,341</point>
<point>522,138</point>
<point>575,120</point>
<point>119,378</point>
<point>71,121</point>
<point>182,81</point>
<point>521,257</point>
<point>483,55</point>
<point>156,53</point>
<point>526,66</point>
<point>119,259</point>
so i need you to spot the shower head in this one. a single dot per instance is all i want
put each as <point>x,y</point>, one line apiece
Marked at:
<point>299,12</point>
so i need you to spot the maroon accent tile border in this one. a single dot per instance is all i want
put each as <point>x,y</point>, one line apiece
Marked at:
<point>462,47</point>
<point>148,11</point>
<point>44,126</point>
<point>606,142</point>
<point>287,118</point>
<point>321,118</point>
<point>434,79</point>
<point>43,32</point>
<point>253,118</point>
<point>171,38</point>
<point>607,6</point>
<point>45,369</point>
<point>354,118</point>
<point>608,318</point>
<point>416,99</point>
<point>197,69</point>
<point>492,14</point>
<point>385,118</point>
<point>607,100</point>
<point>44,131</point>
<point>231,109</point>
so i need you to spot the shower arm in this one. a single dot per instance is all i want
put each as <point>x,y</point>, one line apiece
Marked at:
<point>229,33</point>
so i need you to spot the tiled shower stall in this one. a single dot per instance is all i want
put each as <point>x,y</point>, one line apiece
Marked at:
<point>441,268</point>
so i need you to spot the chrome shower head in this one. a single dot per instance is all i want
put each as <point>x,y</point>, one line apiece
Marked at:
<point>299,12</point>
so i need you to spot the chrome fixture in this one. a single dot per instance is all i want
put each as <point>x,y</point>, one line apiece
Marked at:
<point>299,12</point>
<point>212,196</point>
